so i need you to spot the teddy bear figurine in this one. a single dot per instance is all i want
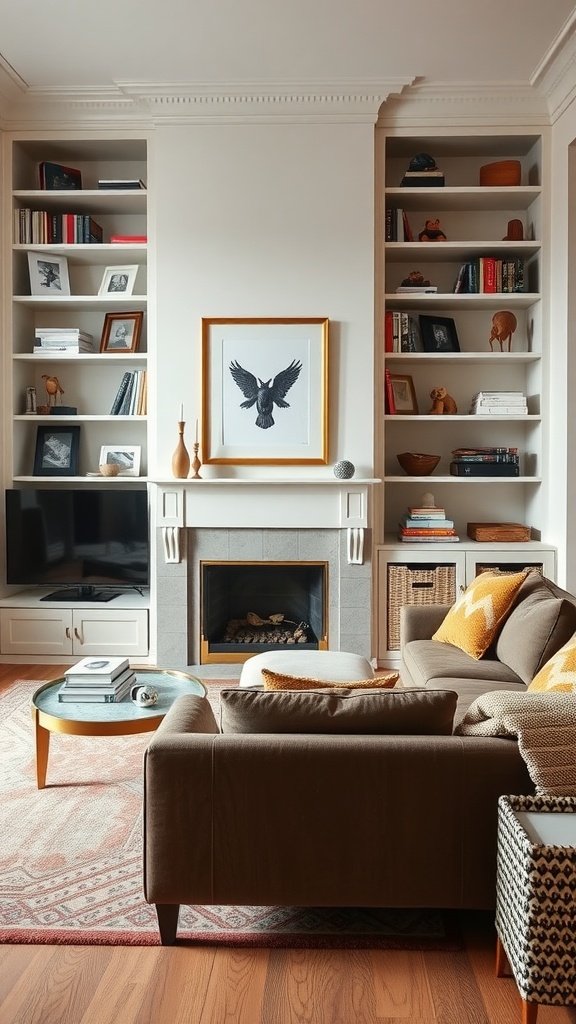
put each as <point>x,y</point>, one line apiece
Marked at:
<point>432,232</point>
<point>442,403</point>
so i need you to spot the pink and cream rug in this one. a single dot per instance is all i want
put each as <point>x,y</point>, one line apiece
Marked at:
<point>71,858</point>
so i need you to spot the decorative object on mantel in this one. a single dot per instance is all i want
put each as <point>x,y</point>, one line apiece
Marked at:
<point>418,464</point>
<point>504,324</point>
<point>181,458</point>
<point>195,475</point>
<point>442,403</point>
<point>344,470</point>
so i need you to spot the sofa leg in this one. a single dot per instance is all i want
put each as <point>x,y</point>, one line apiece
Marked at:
<point>167,914</point>
<point>502,966</point>
<point>529,1012</point>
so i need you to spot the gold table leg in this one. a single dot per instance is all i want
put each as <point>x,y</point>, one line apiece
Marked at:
<point>42,749</point>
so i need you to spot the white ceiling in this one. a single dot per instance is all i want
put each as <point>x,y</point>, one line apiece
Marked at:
<point>87,44</point>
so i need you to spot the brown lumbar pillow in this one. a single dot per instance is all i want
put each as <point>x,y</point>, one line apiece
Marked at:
<point>282,681</point>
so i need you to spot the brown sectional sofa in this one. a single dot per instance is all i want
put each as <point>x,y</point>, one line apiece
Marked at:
<point>378,816</point>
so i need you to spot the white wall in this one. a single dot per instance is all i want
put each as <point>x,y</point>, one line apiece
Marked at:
<point>256,220</point>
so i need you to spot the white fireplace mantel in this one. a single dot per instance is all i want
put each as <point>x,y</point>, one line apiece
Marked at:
<point>268,504</point>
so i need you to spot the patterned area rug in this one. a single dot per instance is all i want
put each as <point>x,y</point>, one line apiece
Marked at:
<point>71,858</point>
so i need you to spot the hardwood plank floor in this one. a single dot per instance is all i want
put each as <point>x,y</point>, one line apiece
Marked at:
<point>184,985</point>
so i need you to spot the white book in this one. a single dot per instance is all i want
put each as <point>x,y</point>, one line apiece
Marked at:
<point>89,697</point>
<point>98,668</point>
<point>404,289</point>
<point>76,685</point>
<point>500,410</point>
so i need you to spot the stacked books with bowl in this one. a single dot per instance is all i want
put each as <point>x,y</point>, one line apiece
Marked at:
<point>426,524</point>
<point>97,681</point>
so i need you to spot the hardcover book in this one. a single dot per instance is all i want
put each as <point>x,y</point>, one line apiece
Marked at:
<point>57,177</point>
<point>104,669</point>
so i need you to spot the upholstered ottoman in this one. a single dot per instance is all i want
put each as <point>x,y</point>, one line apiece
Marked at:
<point>336,666</point>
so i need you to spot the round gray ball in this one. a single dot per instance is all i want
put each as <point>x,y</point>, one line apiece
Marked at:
<point>344,470</point>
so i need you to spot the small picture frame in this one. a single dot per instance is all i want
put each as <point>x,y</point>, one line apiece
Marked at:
<point>57,451</point>
<point>404,394</point>
<point>121,332</point>
<point>48,274</point>
<point>438,334</point>
<point>118,280</point>
<point>124,455</point>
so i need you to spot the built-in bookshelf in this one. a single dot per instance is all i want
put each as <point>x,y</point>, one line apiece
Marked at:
<point>90,380</point>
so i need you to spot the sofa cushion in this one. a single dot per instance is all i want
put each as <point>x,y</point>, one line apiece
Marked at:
<point>282,681</point>
<point>559,673</point>
<point>474,620</point>
<point>399,712</point>
<point>539,624</point>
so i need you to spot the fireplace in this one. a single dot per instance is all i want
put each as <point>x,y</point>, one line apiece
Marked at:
<point>250,607</point>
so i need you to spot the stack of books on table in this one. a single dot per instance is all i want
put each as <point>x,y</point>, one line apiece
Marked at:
<point>97,681</point>
<point>426,525</point>
<point>71,340</point>
<point>485,462</point>
<point>499,403</point>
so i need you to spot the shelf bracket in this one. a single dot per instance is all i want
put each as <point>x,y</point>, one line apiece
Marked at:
<point>171,538</point>
<point>355,545</point>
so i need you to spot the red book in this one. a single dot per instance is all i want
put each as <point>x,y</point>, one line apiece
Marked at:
<point>128,239</point>
<point>389,403</point>
<point>489,281</point>
<point>388,332</point>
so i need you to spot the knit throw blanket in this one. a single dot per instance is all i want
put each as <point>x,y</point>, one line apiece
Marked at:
<point>545,726</point>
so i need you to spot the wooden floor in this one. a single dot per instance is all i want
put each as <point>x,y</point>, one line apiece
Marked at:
<point>109,985</point>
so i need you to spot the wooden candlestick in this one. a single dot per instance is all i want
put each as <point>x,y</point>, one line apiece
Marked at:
<point>181,458</point>
<point>195,475</point>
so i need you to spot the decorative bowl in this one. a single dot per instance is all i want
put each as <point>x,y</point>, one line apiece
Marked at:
<point>109,469</point>
<point>417,464</point>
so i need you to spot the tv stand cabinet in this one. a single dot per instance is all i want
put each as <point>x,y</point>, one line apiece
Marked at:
<point>32,630</point>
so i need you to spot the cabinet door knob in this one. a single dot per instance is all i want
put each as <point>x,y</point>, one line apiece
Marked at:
<point>77,634</point>
<point>68,633</point>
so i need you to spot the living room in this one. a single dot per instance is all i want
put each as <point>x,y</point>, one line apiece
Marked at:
<point>264,165</point>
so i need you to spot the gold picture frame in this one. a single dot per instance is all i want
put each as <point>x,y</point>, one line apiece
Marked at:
<point>265,391</point>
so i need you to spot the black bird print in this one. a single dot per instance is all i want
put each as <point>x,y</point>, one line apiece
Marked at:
<point>265,393</point>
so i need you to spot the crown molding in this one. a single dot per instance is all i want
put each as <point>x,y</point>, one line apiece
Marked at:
<point>555,75</point>
<point>168,103</point>
<point>499,104</point>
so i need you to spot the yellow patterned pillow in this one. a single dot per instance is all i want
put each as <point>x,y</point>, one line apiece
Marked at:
<point>560,672</point>
<point>474,620</point>
<point>281,681</point>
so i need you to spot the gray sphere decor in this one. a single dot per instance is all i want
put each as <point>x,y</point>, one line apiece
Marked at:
<point>344,469</point>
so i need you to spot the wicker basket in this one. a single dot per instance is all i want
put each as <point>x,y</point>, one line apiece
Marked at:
<point>416,584</point>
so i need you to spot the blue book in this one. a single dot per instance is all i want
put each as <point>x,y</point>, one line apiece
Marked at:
<point>439,524</point>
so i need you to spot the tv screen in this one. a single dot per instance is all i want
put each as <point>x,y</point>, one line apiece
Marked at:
<point>85,540</point>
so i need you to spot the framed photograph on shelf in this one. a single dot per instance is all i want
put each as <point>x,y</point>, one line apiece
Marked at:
<point>121,332</point>
<point>265,391</point>
<point>57,451</point>
<point>438,334</point>
<point>124,455</point>
<point>404,394</point>
<point>118,280</point>
<point>48,274</point>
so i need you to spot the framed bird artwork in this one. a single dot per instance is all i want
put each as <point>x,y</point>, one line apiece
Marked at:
<point>265,391</point>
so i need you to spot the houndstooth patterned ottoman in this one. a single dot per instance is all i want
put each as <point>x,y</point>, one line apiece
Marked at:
<point>536,899</point>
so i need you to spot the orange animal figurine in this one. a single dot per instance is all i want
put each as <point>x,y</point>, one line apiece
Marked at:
<point>504,324</point>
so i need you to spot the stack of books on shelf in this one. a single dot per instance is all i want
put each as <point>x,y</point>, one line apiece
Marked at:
<point>97,681</point>
<point>426,525</point>
<point>488,274</point>
<point>132,395</point>
<point>70,340</point>
<point>432,178</point>
<point>485,462</point>
<point>38,227</point>
<point>499,403</point>
<point>121,183</point>
<point>401,332</point>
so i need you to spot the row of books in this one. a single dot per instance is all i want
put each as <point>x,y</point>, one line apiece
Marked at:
<point>499,403</point>
<point>426,525</point>
<point>496,461</point>
<point>488,274</point>
<point>397,226</point>
<point>97,681</point>
<point>62,339</point>
<point>401,332</point>
<point>39,227</point>
<point>132,395</point>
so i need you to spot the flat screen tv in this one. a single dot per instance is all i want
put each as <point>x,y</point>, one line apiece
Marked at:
<point>89,544</point>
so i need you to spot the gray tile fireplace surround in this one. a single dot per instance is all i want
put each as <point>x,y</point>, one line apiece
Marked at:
<point>349,585</point>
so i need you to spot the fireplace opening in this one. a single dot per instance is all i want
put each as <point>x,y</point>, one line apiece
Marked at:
<point>250,607</point>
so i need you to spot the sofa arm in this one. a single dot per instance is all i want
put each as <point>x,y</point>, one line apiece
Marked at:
<point>420,621</point>
<point>188,713</point>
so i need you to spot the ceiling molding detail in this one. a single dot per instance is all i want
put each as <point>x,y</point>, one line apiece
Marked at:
<point>555,75</point>
<point>466,103</point>
<point>168,103</point>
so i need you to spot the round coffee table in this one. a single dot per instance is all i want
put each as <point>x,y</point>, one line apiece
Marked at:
<point>96,719</point>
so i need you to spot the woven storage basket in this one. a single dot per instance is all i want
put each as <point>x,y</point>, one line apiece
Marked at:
<point>416,584</point>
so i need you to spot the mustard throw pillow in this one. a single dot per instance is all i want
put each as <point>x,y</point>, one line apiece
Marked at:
<point>281,681</point>
<point>473,621</point>
<point>560,672</point>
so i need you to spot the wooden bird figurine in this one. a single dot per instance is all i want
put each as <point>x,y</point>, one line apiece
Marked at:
<point>53,388</point>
